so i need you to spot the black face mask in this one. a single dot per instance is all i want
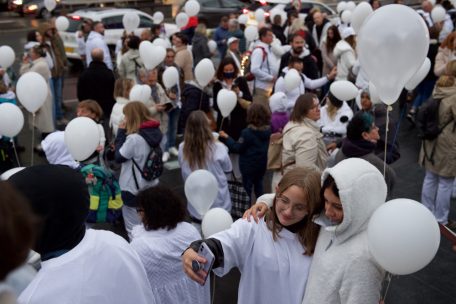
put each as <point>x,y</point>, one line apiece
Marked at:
<point>228,75</point>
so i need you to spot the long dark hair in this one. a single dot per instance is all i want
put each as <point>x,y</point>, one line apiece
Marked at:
<point>226,61</point>
<point>331,42</point>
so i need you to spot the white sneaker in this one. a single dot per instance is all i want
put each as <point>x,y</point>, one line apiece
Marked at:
<point>173,151</point>
<point>165,157</point>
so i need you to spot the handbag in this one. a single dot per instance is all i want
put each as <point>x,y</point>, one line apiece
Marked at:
<point>275,150</point>
<point>240,199</point>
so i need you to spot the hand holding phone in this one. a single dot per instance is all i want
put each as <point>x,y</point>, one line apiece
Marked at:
<point>197,265</point>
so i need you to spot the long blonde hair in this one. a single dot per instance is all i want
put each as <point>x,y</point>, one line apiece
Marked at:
<point>135,114</point>
<point>448,79</point>
<point>198,140</point>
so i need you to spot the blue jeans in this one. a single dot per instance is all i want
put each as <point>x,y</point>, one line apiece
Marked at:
<point>56,85</point>
<point>173,117</point>
<point>424,91</point>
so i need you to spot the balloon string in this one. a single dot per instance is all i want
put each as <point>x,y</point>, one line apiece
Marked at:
<point>33,137</point>
<point>388,110</point>
<point>221,124</point>
<point>387,280</point>
<point>15,152</point>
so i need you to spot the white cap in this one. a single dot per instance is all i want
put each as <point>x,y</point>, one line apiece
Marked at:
<point>347,32</point>
<point>231,40</point>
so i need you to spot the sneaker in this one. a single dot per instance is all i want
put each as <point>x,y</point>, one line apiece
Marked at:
<point>451,225</point>
<point>173,151</point>
<point>165,157</point>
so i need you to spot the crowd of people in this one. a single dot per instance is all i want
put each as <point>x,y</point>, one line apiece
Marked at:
<point>304,243</point>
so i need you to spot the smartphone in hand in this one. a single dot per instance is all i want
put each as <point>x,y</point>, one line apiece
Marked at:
<point>205,252</point>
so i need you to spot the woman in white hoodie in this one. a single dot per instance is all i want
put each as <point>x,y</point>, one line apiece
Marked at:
<point>345,53</point>
<point>122,90</point>
<point>342,269</point>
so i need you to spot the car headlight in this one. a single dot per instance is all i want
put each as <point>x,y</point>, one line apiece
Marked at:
<point>32,7</point>
<point>17,2</point>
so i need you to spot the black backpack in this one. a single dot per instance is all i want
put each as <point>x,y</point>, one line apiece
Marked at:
<point>153,166</point>
<point>427,119</point>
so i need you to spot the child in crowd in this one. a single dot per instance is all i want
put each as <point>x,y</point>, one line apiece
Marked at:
<point>279,114</point>
<point>252,147</point>
<point>91,109</point>
<point>6,94</point>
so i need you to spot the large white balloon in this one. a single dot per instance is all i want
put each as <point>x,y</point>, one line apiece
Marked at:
<point>62,23</point>
<point>204,72</point>
<point>7,56</point>
<point>419,75</point>
<point>11,119</point>
<point>343,90</point>
<point>350,6</point>
<point>438,14</point>
<point>192,8</point>
<point>215,220</point>
<point>158,17</point>
<point>341,6</point>
<point>403,236</point>
<point>130,21</point>
<point>181,20</point>
<point>360,14</point>
<point>251,33</point>
<point>374,94</point>
<point>242,19</point>
<point>50,5</point>
<point>292,80</point>
<point>82,137</point>
<point>275,11</point>
<point>399,38</point>
<point>226,101</point>
<point>259,15</point>
<point>140,92</point>
<point>212,46</point>
<point>161,42</point>
<point>346,16</point>
<point>32,91</point>
<point>170,77</point>
<point>201,189</point>
<point>151,55</point>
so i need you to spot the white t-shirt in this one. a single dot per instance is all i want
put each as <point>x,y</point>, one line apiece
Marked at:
<point>271,271</point>
<point>101,269</point>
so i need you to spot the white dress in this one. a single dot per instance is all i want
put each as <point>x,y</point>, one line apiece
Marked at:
<point>101,269</point>
<point>160,252</point>
<point>271,271</point>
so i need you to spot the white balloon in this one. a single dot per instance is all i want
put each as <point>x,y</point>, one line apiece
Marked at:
<point>130,21</point>
<point>201,189</point>
<point>419,75</point>
<point>161,42</point>
<point>32,91</point>
<point>259,15</point>
<point>82,137</point>
<point>341,6</point>
<point>292,80</point>
<point>360,14</point>
<point>11,119</point>
<point>50,5</point>
<point>140,92</point>
<point>204,72</point>
<point>215,220</point>
<point>438,14</point>
<point>350,6</point>
<point>374,94</point>
<point>275,11</point>
<point>212,45</point>
<point>62,23</point>
<point>170,77</point>
<point>403,236</point>
<point>399,38</point>
<point>251,33</point>
<point>226,101</point>
<point>7,56</point>
<point>343,90</point>
<point>346,16</point>
<point>192,8</point>
<point>7,174</point>
<point>151,55</point>
<point>181,20</point>
<point>242,19</point>
<point>158,17</point>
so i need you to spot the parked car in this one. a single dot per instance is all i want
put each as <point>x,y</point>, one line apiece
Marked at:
<point>32,7</point>
<point>112,20</point>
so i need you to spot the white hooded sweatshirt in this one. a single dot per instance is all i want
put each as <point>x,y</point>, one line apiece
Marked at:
<point>346,59</point>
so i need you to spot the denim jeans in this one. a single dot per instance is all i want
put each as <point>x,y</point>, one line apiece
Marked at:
<point>56,85</point>
<point>173,117</point>
<point>436,195</point>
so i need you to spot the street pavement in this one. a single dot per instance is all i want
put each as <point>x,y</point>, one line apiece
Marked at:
<point>435,284</point>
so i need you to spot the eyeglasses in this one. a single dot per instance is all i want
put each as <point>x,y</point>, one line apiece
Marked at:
<point>296,206</point>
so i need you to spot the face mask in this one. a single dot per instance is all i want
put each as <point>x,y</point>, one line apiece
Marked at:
<point>228,75</point>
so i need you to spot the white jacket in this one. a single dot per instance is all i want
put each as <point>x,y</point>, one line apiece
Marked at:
<point>335,125</point>
<point>264,70</point>
<point>346,59</point>
<point>117,114</point>
<point>96,40</point>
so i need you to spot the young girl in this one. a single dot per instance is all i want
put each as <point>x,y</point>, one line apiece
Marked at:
<point>334,119</point>
<point>279,114</point>
<point>273,256</point>
<point>91,109</point>
<point>252,147</point>
<point>137,133</point>
<point>122,90</point>
<point>201,151</point>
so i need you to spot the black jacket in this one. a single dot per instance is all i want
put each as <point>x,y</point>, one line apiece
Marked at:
<point>310,65</point>
<point>193,99</point>
<point>97,83</point>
